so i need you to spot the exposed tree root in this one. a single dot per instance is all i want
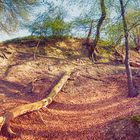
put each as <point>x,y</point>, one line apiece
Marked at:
<point>26,108</point>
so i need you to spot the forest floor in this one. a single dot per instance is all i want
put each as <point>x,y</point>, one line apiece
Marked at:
<point>92,105</point>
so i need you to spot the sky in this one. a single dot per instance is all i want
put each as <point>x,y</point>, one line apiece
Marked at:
<point>19,33</point>
<point>73,11</point>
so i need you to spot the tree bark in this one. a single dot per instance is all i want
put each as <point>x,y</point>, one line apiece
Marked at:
<point>23,109</point>
<point>97,35</point>
<point>131,89</point>
<point>88,44</point>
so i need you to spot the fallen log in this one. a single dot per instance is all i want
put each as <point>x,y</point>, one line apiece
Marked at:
<point>26,108</point>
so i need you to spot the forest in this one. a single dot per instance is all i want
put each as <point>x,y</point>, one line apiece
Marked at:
<point>69,70</point>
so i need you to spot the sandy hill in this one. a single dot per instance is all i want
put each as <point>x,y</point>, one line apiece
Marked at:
<point>93,104</point>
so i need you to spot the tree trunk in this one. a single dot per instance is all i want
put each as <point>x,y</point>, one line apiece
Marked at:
<point>23,109</point>
<point>131,89</point>
<point>97,35</point>
<point>88,39</point>
<point>36,48</point>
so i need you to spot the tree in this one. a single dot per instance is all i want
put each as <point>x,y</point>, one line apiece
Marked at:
<point>114,36</point>
<point>97,35</point>
<point>92,11</point>
<point>85,24</point>
<point>88,37</point>
<point>51,23</point>
<point>133,20</point>
<point>12,12</point>
<point>131,89</point>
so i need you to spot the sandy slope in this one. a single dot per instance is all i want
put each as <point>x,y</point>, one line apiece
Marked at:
<point>92,105</point>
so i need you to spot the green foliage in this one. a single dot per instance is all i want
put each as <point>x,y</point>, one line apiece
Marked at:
<point>104,43</point>
<point>133,20</point>
<point>115,33</point>
<point>13,12</point>
<point>114,28</point>
<point>51,23</point>
<point>57,26</point>
<point>82,22</point>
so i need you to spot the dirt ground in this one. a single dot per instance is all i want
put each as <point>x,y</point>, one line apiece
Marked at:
<point>93,105</point>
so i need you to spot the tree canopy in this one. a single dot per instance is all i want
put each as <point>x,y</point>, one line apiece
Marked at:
<point>13,12</point>
<point>51,22</point>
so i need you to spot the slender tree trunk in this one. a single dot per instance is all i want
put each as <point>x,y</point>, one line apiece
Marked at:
<point>97,35</point>
<point>88,39</point>
<point>90,31</point>
<point>36,48</point>
<point>131,89</point>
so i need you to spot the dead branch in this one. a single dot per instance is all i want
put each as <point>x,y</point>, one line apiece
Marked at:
<point>26,108</point>
<point>36,48</point>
